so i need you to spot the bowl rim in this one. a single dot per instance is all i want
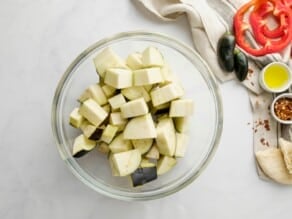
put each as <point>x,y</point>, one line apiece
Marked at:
<point>170,189</point>
<point>289,95</point>
<point>277,90</point>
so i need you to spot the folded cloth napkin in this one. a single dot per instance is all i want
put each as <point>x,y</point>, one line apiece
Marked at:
<point>208,20</point>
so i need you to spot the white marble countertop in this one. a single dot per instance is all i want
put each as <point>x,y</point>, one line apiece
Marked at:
<point>38,41</point>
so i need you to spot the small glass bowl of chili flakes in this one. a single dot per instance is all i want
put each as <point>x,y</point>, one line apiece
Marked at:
<point>281,108</point>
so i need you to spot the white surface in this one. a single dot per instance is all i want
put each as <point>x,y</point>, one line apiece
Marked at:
<point>38,41</point>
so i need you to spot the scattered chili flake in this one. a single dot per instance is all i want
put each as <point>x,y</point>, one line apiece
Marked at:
<point>261,123</point>
<point>264,142</point>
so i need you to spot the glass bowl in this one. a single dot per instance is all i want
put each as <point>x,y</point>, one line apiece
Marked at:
<point>205,125</point>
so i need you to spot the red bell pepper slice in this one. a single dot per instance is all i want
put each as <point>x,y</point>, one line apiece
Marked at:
<point>259,26</point>
<point>269,45</point>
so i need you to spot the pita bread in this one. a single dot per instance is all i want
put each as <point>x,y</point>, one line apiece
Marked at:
<point>272,163</point>
<point>286,148</point>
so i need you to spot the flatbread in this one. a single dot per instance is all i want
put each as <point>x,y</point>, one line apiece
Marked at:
<point>286,148</point>
<point>272,163</point>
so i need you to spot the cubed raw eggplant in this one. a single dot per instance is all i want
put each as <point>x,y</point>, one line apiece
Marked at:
<point>87,128</point>
<point>134,61</point>
<point>108,90</point>
<point>76,118</point>
<point>144,175</point>
<point>165,164</point>
<point>82,145</point>
<point>118,78</point>
<point>181,108</point>
<point>166,93</point>
<point>94,92</point>
<point>151,56</point>
<point>140,128</point>
<point>134,108</point>
<point>94,113</point>
<point>132,93</point>
<point>153,153</point>
<point>146,163</point>
<point>90,131</point>
<point>108,59</point>
<point>117,101</point>
<point>96,134</point>
<point>167,74</point>
<point>126,162</point>
<point>147,76</point>
<point>119,144</point>
<point>117,119</point>
<point>166,139</point>
<point>143,145</point>
<point>109,133</point>
<point>112,166</point>
<point>181,144</point>
<point>181,124</point>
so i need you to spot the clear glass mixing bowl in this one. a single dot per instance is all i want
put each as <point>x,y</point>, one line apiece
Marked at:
<point>205,125</point>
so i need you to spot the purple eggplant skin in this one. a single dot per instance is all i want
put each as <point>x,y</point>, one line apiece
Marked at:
<point>143,175</point>
<point>80,154</point>
<point>96,134</point>
<point>225,49</point>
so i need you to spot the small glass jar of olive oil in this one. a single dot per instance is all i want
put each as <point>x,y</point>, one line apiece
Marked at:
<point>276,77</point>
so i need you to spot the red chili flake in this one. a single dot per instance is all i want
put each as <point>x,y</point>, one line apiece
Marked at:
<point>266,125</point>
<point>262,141</point>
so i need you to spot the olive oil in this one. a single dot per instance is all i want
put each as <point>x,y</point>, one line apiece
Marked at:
<point>276,76</point>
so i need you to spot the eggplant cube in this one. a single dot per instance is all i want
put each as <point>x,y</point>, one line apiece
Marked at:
<point>134,61</point>
<point>181,124</point>
<point>166,93</point>
<point>143,175</point>
<point>76,118</point>
<point>147,76</point>
<point>118,78</point>
<point>181,108</point>
<point>108,90</point>
<point>132,93</point>
<point>94,113</point>
<point>166,139</point>
<point>117,101</point>
<point>134,108</point>
<point>181,144</point>
<point>126,162</point>
<point>152,57</point>
<point>108,59</point>
<point>109,133</point>
<point>117,119</point>
<point>82,145</point>
<point>140,128</point>
<point>96,93</point>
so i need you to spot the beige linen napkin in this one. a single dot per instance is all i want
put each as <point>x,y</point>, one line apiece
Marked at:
<point>208,20</point>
